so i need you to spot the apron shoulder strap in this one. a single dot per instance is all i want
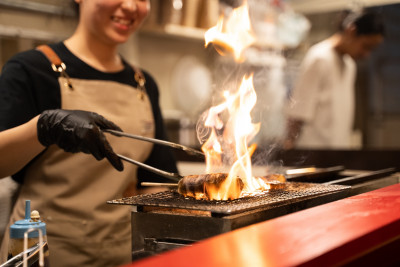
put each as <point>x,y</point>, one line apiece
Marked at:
<point>50,54</point>
<point>59,66</point>
<point>141,81</point>
<point>139,76</point>
<point>56,63</point>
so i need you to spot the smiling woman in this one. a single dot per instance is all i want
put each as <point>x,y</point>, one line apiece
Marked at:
<point>103,25</point>
<point>70,190</point>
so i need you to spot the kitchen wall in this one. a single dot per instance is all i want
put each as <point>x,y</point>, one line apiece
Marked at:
<point>22,29</point>
<point>324,6</point>
<point>382,91</point>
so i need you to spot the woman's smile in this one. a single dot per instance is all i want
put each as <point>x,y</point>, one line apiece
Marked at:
<point>122,23</point>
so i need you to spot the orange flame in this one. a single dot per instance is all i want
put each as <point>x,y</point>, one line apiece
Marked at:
<point>212,150</point>
<point>233,35</point>
<point>238,131</point>
<point>230,135</point>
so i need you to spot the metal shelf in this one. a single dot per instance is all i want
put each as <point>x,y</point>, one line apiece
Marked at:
<point>175,31</point>
<point>56,7</point>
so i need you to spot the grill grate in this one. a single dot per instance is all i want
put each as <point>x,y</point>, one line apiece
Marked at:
<point>291,193</point>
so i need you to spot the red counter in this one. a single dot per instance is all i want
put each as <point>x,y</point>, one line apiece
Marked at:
<point>362,230</point>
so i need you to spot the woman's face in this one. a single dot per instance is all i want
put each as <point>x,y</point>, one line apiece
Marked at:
<point>112,21</point>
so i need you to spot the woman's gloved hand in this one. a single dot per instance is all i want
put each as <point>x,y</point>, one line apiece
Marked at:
<point>78,131</point>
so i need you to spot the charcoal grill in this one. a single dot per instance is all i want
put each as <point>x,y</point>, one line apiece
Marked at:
<point>166,220</point>
<point>172,200</point>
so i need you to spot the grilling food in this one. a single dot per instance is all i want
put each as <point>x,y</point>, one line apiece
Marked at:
<point>204,185</point>
<point>275,181</point>
<point>214,186</point>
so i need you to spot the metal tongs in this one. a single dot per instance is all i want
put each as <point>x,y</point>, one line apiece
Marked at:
<point>169,175</point>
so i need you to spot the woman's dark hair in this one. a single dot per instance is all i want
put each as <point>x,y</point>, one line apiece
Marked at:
<point>75,7</point>
<point>366,22</point>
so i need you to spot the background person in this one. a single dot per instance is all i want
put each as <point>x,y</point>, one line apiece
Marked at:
<point>321,114</point>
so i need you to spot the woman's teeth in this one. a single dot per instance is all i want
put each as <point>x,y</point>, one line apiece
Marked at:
<point>126,22</point>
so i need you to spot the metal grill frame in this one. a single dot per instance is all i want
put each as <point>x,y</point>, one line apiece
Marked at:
<point>293,192</point>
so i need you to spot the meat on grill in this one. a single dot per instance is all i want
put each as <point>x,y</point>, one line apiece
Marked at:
<point>275,181</point>
<point>199,186</point>
<point>204,185</point>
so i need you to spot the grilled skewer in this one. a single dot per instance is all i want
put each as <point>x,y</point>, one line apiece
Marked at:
<point>195,185</point>
<point>202,185</point>
<point>158,184</point>
<point>205,185</point>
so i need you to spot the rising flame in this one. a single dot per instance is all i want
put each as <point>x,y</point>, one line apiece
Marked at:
<point>238,131</point>
<point>230,135</point>
<point>232,35</point>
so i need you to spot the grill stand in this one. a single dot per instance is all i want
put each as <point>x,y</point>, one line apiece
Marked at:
<point>159,226</point>
<point>161,229</point>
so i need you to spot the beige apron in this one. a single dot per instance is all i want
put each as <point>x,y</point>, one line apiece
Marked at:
<point>70,190</point>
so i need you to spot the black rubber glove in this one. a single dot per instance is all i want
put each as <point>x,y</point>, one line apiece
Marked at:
<point>78,131</point>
